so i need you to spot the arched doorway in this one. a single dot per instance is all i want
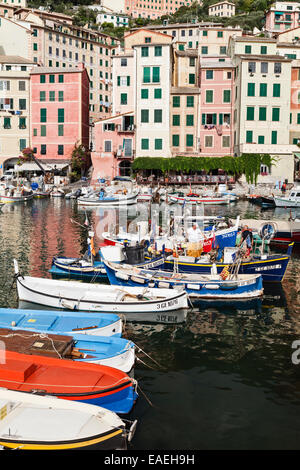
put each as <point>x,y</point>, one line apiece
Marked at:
<point>125,168</point>
<point>9,164</point>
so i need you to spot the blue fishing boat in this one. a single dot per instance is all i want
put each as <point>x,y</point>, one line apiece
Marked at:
<point>61,322</point>
<point>214,286</point>
<point>272,267</point>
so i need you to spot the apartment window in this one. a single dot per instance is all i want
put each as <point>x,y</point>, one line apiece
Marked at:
<point>43,131</point>
<point>262,114</point>
<point>176,120</point>
<point>274,137</point>
<point>60,149</point>
<point>264,67</point>
<point>204,33</point>
<point>181,47</point>
<point>144,93</point>
<point>42,96</point>
<point>158,115</point>
<point>189,140</point>
<point>42,78</point>
<point>144,115</point>
<point>220,34</point>
<point>209,96</point>
<point>275,114</point>
<point>176,101</point>
<point>175,140</point>
<point>158,51</point>
<point>147,74</point>
<point>190,101</point>
<point>156,74</point>
<point>222,50</point>
<point>251,89</point>
<point>60,130</point>
<point>209,119</point>
<point>43,149</point>
<point>147,40</point>
<point>61,115</point>
<point>60,78</point>
<point>225,141</point>
<point>35,33</point>
<point>263,49</point>
<point>208,141</point>
<point>189,119</point>
<point>145,51</point>
<point>158,144</point>
<point>251,67</point>
<point>277,67</point>
<point>247,49</point>
<point>157,93</point>
<point>123,98</point>
<point>145,144</point>
<point>51,95</point>
<point>22,123</point>
<point>226,96</point>
<point>107,146</point>
<point>209,74</point>
<point>298,118</point>
<point>250,113</point>
<point>228,75</point>
<point>204,50</point>
<point>43,115</point>
<point>261,139</point>
<point>51,78</point>
<point>276,90</point>
<point>191,78</point>
<point>22,85</point>
<point>192,61</point>
<point>35,46</point>
<point>60,96</point>
<point>249,137</point>
<point>7,123</point>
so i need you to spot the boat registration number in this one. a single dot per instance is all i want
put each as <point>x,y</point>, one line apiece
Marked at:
<point>169,303</point>
<point>267,268</point>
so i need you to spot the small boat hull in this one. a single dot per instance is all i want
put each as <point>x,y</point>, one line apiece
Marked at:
<point>15,199</point>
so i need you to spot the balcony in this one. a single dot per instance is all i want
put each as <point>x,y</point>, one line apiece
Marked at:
<point>125,129</point>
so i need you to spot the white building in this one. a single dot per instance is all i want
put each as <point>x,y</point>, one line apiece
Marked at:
<point>116,19</point>
<point>224,9</point>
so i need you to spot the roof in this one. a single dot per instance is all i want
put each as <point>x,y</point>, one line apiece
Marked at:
<point>187,53</point>
<point>216,65</point>
<point>185,90</point>
<point>221,3</point>
<point>14,59</point>
<point>53,70</point>
<point>288,44</point>
<point>253,39</point>
<point>110,118</point>
<point>186,25</point>
<point>264,58</point>
<point>134,31</point>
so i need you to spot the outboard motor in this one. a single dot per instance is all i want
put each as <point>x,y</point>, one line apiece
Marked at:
<point>135,254</point>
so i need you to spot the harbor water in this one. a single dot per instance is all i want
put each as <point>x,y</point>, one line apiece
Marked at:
<point>224,378</point>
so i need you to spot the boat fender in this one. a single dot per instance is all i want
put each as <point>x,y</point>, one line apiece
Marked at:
<point>137,279</point>
<point>193,286</point>
<point>211,286</point>
<point>163,285</point>
<point>123,276</point>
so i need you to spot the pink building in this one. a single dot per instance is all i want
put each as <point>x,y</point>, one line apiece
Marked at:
<point>114,143</point>
<point>216,108</point>
<point>149,9</point>
<point>59,111</point>
<point>282,16</point>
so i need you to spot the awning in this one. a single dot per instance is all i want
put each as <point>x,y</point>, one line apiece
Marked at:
<point>32,166</point>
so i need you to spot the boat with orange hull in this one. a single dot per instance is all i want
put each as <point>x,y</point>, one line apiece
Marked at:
<point>91,383</point>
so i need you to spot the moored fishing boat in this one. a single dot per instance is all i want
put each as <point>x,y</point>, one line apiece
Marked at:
<point>103,199</point>
<point>71,380</point>
<point>62,322</point>
<point>210,286</point>
<point>292,200</point>
<point>108,351</point>
<point>74,295</point>
<point>193,198</point>
<point>32,422</point>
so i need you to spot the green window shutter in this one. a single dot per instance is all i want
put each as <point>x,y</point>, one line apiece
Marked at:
<point>145,51</point>
<point>22,144</point>
<point>176,120</point>
<point>128,80</point>
<point>118,80</point>
<point>263,89</point>
<point>35,46</point>
<point>209,74</point>
<point>42,78</point>
<point>274,137</point>
<point>275,114</point>
<point>251,89</point>
<point>6,123</point>
<point>298,118</point>
<point>51,95</point>
<point>181,47</point>
<point>156,74</point>
<point>43,131</point>
<point>158,144</point>
<point>43,149</point>
<point>262,114</point>
<point>60,78</point>
<point>189,119</point>
<point>220,34</point>
<point>61,115</point>
<point>123,98</point>
<point>60,96</point>
<point>60,149</point>
<point>247,49</point>
<point>157,93</point>
<point>250,113</point>
<point>22,123</point>
<point>263,49</point>
<point>147,75</point>
<point>204,33</point>
<point>209,96</point>
<point>226,96</point>
<point>203,119</point>
<point>249,137</point>
<point>144,115</point>
<point>51,78</point>
<point>220,118</point>
<point>190,101</point>
<point>158,51</point>
<point>145,144</point>
<point>276,90</point>
<point>261,139</point>
<point>42,96</point>
<point>204,50</point>
<point>158,115</point>
<point>191,78</point>
<point>214,118</point>
<point>35,132</point>
<point>60,130</point>
<point>43,115</point>
<point>176,101</point>
<point>189,139</point>
<point>175,140</point>
<point>144,93</point>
